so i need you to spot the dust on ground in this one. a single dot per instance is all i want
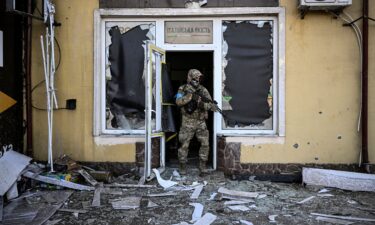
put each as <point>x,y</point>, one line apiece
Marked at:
<point>276,199</point>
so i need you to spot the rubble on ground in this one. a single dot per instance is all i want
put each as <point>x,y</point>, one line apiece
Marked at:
<point>75,196</point>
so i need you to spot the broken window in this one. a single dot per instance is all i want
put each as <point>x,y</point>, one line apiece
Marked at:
<point>124,73</point>
<point>249,57</point>
<point>248,74</point>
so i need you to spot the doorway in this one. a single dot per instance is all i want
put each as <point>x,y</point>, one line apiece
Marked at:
<point>178,64</point>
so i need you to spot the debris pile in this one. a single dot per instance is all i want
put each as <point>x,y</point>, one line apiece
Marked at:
<point>43,193</point>
<point>75,194</point>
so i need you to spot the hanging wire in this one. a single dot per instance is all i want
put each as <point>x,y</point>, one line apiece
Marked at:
<point>358,33</point>
<point>57,67</point>
<point>359,41</point>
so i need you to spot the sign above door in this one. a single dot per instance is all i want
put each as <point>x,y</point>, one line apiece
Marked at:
<point>188,32</point>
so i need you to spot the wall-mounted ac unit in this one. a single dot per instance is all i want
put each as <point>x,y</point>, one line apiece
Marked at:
<point>323,4</point>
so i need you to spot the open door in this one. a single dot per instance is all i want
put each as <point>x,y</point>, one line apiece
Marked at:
<point>178,64</point>
<point>154,59</point>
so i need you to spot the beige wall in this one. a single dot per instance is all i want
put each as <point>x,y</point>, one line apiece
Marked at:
<point>74,79</point>
<point>322,91</point>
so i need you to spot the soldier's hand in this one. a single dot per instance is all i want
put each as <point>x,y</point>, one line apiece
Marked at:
<point>214,107</point>
<point>189,97</point>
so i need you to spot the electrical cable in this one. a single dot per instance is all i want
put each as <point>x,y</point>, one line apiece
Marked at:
<point>359,41</point>
<point>351,18</point>
<point>57,66</point>
<point>41,82</point>
<point>40,13</point>
<point>59,50</point>
<point>355,26</point>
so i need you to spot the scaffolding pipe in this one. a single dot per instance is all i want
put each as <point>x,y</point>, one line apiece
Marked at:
<point>48,54</point>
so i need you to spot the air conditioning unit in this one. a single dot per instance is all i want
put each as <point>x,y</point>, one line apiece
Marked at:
<point>323,4</point>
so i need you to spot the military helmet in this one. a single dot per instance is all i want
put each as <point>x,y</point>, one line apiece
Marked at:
<point>193,74</point>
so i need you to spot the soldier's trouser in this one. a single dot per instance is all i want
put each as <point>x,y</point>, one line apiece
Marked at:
<point>187,131</point>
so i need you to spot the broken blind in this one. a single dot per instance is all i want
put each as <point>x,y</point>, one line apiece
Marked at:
<point>125,69</point>
<point>125,90</point>
<point>248,74</point>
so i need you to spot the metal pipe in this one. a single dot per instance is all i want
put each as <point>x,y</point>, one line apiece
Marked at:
<point>29,122</point>
<point>365,83</point>
<point>149,113</point>
<point>147,166</point>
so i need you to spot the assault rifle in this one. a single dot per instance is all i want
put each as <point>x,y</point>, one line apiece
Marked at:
<point>207,100</point>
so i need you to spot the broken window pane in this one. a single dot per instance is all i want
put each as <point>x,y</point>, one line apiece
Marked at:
<point>124,73</point>
<point>247,75</point>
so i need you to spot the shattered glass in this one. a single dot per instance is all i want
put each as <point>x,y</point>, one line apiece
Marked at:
<point>247,77</point>
<point>124,73</point>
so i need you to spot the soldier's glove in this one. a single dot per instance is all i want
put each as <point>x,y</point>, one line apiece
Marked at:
<point>196,97</point>
<point>201,104</point>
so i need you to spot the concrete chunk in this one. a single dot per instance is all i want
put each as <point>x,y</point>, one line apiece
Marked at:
<point>333,220</point>
<point>197,192</point>
<point>345,217</point>
<point>127,203</point>
<point>198,211</point>
<point>242,194</point>
<point>339,179</point>
<point>207,219</point>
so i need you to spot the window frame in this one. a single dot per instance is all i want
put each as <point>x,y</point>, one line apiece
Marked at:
<point>103,121</point>
<point>217,15</point>
<point>275,86</point>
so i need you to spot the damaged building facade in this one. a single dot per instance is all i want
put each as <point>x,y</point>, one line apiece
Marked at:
<point>289,88</point>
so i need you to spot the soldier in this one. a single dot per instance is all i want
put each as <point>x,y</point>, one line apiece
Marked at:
<point>194,115</point>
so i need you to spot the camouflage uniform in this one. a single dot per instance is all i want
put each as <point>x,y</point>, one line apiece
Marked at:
<point>194,123</point>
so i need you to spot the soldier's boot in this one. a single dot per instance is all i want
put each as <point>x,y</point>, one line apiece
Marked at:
<point>182,169</point>
<point>202,168</point>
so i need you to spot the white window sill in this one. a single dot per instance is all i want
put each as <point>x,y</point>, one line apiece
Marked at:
<point>256,140</point>
<point>118,140</point>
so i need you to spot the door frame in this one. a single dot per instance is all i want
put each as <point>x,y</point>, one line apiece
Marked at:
<point>215,48</point>
<point>214,114</point>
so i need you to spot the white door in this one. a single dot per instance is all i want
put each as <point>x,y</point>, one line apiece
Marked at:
<point>154,59</point>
